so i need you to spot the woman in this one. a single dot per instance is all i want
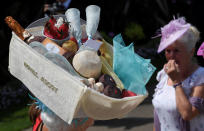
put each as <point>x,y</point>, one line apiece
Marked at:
<point>179,96</point>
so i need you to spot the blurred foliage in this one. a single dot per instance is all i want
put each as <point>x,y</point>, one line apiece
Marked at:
<point>13,93</point>
<point>106,37</point>
<point>134,31</point>
<point>15,119</point>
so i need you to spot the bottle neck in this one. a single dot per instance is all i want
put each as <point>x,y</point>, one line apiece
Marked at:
<point>27,36</point>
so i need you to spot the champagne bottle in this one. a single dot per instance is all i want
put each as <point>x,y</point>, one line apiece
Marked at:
<point>21,32</point>
<point>17,28</point>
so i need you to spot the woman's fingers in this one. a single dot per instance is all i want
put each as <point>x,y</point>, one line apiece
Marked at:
<point>172,69</point>
<point>168,67</point>
<point>171,66</point>
<point>176,67</point>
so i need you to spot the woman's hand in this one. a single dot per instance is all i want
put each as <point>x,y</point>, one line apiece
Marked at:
<point>173,71</point>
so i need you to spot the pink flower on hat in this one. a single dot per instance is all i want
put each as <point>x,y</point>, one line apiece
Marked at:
<point>172,31</point>
<point>201,50</point>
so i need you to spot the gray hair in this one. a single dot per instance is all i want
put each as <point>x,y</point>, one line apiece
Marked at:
<point>190,38</point>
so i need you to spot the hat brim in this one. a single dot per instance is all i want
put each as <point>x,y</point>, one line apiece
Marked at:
<point>201,50</point>
<point>171,39</point>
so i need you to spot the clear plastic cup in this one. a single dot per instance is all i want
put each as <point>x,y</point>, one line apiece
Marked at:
<point>92,19</point>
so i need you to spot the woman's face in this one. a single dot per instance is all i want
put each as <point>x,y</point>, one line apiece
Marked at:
<point>178,52</point>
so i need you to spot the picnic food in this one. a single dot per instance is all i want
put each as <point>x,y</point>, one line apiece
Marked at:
<point>107,69</point>
<point>98,87</point>
<point>107,80</point>
<point>17,28</point>
<point>71,48</point>
<point>87,63</point>
<point>112,91</point>
<point>56,29</point>
<point>37,46</point>
<point>36,38</point>
<point>52,46</point>
<point>70,45</point>
<point>127,93</point>
<point>21,32</point>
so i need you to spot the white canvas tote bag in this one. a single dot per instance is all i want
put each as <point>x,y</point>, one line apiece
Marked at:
<point>63,93</point>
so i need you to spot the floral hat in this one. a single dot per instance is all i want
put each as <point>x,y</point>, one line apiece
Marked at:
<point>172,31</point>
<point>201,50</point>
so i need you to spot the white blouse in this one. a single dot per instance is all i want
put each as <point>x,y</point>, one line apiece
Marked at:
<point>164,101</point>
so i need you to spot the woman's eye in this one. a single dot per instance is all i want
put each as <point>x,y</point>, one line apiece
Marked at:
<point>167,51</point>
<point>176,50</point>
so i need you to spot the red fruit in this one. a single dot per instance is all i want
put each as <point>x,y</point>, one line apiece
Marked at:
<point>84,39</point>
<point>47,30</point>
<point>73,39</point>
<point>127,93</point>
<point>52,20</point>
<point>63,29</point>
<point>50,30</point>
<point>112,91</point>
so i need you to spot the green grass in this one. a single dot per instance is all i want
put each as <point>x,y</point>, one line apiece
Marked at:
<point>15,119</point>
